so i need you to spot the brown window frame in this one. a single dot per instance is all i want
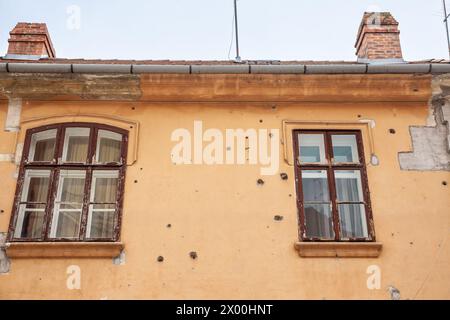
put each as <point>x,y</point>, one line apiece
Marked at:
<point>56,165</point>
<point>330,167</point>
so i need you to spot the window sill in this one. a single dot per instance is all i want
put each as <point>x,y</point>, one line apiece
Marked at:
<point>63,249</point>
<point>338,249</point>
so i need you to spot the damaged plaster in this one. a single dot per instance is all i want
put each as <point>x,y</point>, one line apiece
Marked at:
<point>120,259</point>
<point>12,122</point>
<point>86,86</point>
<point>4,261</point>
<point>431,144</point>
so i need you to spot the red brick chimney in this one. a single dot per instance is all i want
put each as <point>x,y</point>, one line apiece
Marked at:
<point>378,38</point>
<point>30,39</point>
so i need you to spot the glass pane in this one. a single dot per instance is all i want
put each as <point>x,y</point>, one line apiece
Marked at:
<point>30,221</point>
<point>104,186</point>
<point>42,146</point>
<point>68,204</point>
<point>353,220</point>
<point>108,146</point>
<point>348,185</point>
<point>68,224</point>
<point>76,143</point>
<point>318,220</point>
<point>312,148</point>
<point>101,221</point>
<point>35,187</point>
<point>345,148</point>
<point>315,185</point>
<point>72,190</point>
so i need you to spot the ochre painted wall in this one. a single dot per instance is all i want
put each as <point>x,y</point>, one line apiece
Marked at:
<point>220,212</point>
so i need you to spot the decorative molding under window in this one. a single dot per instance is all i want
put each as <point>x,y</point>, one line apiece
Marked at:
<point>338,249</point>
<point>63,249</point>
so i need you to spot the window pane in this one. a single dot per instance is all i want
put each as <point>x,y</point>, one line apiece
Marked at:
<point>72,190</point>
<point>345,148</point>
<point>30,221</point>
<point>76,143</point>
<point>104,186</point>
<point>68,204</point>
<point>108,146</point>
<point>312,148</point>
<point>32,205</point>
<point>348,186</point>
<point>68,224</point>
<point>353,220</point>
<point>315,185</point>
<point>101,221</point>
<point>35,187</point>
<point>42,146</point>
<point>319,221</point>
<point>102,208</point>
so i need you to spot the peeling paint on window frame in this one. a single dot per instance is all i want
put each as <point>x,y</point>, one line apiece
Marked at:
<point>330,167</point>
<point>55,166</point>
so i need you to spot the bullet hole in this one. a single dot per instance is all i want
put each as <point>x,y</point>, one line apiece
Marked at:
<point>160,259</point>
<point>193,255</point>
<point>392,234</point>
<point>444,183</point>
<point>260,121</point>
<point>277,217</point>
<point>246,137</point>
<point>133,108</point>
<point>283,176</point>
<point>131,127</point>
<point>394,292</point>
<point>141,168</point>
<point>267,227</point>
<point>392,131</point>
<point>411,243</point>
<point>270,135</point>
<point>135,181</point>
<point>359,116</point>
<point>260,182</point>
<point>290,195</point>
<point>274,106</point>
<point>169,225</point>
<point>415,89</point>
<point>1,211</point>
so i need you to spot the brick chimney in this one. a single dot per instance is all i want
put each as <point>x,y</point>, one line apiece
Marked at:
<point>30,41</point>
<point>378,38</point>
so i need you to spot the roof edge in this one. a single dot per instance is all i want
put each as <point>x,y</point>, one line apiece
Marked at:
<point>357,68</point>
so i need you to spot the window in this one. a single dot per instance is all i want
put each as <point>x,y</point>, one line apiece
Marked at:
<point>333,196</point>
<point>70,184</point>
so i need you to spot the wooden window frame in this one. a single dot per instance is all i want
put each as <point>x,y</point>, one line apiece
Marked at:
<point>330,167</point>
<point>56,165</point>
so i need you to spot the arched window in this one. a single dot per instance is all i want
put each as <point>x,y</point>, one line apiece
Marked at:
<point>70,184</point>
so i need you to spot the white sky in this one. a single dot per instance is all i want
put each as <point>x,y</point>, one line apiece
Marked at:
<point>201,29</point>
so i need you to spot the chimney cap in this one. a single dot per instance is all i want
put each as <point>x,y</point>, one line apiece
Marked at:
<point>378,37</point>
<point>30,39</point>
<point>375,19</point>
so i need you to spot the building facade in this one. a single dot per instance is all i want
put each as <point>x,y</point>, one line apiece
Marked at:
<point>224,180</point>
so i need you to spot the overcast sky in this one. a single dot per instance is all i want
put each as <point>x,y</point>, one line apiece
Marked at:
<point>202,29</point>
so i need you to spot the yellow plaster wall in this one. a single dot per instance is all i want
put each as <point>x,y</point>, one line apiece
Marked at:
<point>220,212</point>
